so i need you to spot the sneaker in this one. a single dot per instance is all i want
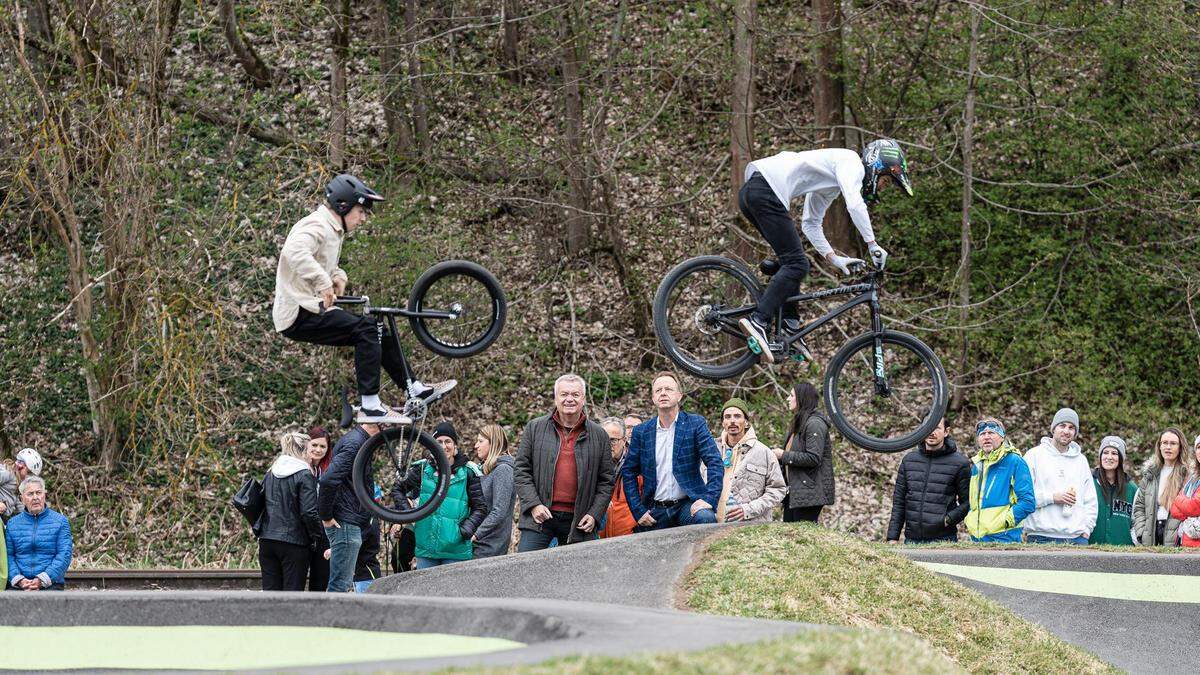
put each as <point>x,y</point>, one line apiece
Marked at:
<point>757,337</point>
<point>792,325</point>
<point>430,392</point>
<point>802,352</point>
<point>382,415</point>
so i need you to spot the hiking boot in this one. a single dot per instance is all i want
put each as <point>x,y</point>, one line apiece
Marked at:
<point>756,335</point>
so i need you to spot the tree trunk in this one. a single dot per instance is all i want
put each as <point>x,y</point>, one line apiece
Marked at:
<point>339,38</point>
<point>391,67</point>
<point>964,261</point>
<point>258,71</point>
<point>420,107</point>
<point>510,39</point>
<point>741,104</point>
<point>575,160</point>
<point>829,109</point>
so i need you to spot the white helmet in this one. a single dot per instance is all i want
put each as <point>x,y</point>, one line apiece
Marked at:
<point>31,459</point>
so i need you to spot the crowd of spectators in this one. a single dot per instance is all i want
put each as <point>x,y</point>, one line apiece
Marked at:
<point>569,479</point>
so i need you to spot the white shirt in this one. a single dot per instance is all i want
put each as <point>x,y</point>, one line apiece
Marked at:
<point>664,446</point>
<point>1163,476</point>
<point>819,175</point>
<point>308,264</point>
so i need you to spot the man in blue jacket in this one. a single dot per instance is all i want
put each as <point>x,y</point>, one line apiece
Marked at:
<point>38,542</point>
<point>666,452</point>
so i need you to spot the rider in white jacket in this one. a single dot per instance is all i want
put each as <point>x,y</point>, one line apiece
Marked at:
<point>1062,485</point>
<point>818,176</point>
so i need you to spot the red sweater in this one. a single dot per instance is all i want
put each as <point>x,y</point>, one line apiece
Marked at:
<point>566,475</point>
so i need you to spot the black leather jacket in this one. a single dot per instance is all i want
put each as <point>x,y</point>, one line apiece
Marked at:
<point>290,514</point>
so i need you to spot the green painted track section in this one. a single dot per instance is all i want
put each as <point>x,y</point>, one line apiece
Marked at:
<point>1141,587</point>
<point>225,647</point>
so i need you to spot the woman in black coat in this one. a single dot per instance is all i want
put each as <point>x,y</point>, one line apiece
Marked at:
<point>807,457</point>
<point>289,529</point>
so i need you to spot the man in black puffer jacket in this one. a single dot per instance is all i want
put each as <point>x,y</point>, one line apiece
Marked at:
<point>932,491</point>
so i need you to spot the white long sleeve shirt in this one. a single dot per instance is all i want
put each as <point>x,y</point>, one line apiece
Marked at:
<point>819,175</point>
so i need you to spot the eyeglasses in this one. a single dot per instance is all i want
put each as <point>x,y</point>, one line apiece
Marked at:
<point>614,441</point>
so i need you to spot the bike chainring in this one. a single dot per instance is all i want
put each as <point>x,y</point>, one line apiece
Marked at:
<point>416,409</point>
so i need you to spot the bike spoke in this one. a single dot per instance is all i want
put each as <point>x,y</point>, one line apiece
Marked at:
<point>911,391</point>
<point>695,320</point>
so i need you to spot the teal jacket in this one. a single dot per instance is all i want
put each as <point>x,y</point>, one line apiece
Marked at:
<point>446,534</point>
<point>1001,495</point>
<point>1114,517</point>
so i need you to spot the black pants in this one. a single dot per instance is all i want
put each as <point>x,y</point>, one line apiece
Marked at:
<point>367,566</point>
<point>770,217</point>
<point>1160,532</point>
<point>557,527</point>
<point>318,571</point>
<point>404,549</point>
<point>802,513</point>
<point>343,329</point>
<point>284,566</point>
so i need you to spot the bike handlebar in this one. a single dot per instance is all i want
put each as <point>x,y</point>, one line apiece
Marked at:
<point>351,300</point>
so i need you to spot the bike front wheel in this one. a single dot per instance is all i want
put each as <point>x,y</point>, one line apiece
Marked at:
<point>460,309</point>
<point>382,465</point>
<point>885,392</point>
<point>696,312</point>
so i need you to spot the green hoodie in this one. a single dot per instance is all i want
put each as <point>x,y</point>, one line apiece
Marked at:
<point>1114,515</point>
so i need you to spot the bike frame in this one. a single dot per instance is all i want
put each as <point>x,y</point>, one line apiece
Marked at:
<point>866,293</point>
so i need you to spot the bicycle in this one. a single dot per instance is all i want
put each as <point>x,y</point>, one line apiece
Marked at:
<point>456,309</point>
<point>878,383</point>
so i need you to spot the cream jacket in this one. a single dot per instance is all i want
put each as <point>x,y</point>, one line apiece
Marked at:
<point>308,264</point>
<point>753,479</point>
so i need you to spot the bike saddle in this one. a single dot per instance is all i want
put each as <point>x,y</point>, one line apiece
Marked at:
<point>769,266</point>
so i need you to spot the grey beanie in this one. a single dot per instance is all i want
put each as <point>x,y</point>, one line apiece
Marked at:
<point>1114,442</point>
<point>1065,415</point>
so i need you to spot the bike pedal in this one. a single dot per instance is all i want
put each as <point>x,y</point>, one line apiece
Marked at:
<point>754,346</point>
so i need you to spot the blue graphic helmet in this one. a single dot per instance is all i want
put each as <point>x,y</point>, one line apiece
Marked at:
<point>884,158</point>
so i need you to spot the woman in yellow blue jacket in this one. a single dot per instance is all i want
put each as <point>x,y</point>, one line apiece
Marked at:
<point>1001,487</point>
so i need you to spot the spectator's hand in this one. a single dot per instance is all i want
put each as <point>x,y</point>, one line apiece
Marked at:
<point>332,522</point>
<point>587,523</point>
<point>326,554</point>
<point>395,529</point>
<point>700,504</point>
<point>842,263</point>
<point>33,584</point>
<point>339,286</point>
<point>540,514</point>
<point>1066,498</point>
<point>735,512</point>
<point>878,254</point>
<point>473,539</point>
<point>778,453</point>
<point>646,520</point>
<point>328,297</point>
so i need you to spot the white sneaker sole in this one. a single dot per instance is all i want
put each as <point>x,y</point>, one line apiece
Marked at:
<point>392,418</point>
<point>750,331</point>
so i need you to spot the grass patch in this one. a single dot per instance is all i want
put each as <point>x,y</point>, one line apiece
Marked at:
<point>806,573</point>
<point>818,651</point>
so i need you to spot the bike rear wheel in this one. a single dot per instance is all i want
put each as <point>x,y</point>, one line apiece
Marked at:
<point>468,291</point>
<point>381,466</point>
<point>696,310</point>
<point>910,406</point>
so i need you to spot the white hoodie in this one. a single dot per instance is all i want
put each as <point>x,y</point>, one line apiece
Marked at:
<point>286,465</point>
<point>1055,471</point>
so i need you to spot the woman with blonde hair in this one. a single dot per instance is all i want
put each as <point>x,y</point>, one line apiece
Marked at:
<point>289,528</point>
<point>494,456</point>
<point>1152,521</point>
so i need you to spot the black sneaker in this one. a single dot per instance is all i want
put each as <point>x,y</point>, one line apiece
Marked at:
<point>381,415</point>
<point>792,325</point>
<point>430,392</point>
<point>756,335</point>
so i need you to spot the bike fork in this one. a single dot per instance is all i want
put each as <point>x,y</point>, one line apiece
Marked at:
<point>881,384</point>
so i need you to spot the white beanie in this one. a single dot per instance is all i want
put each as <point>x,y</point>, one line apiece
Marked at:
<point>1113,442</point>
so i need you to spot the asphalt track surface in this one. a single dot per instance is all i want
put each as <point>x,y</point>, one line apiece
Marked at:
<point>1138,611</point>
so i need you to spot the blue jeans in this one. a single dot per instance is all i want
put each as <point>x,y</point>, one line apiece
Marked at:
<point>426,563</point>
<point>677,515</point>
<point>344,543</point>
<point>1039,539</point>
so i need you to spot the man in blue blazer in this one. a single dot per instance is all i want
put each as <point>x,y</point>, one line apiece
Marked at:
<point>666,452</point>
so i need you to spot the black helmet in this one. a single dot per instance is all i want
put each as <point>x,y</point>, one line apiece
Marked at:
<point>884,158</point>
<point>344,191</point>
